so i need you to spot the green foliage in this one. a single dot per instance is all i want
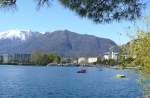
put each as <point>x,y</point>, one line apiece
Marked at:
<point>121,58</point>
<point>54,58</point>
<point>36,57</point>
<point>99,60</point>
<point>43,59</point>
<point>139,48</point>
<point>99,11</point>
<point>104,11</point>
<point>112,62</point>
<point>7,2</point>
<point>129,60</point>
<point>109,62</point>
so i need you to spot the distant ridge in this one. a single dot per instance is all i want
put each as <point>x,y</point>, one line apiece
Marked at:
<point>62,42</point>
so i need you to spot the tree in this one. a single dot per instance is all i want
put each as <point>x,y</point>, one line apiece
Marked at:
<point>121,58</point>
<point>99,11</point>
<point>37,57</point>
<point>54,58</point>
<point>41,58</point>
<point>99,60</point>
<point>7,2</point>
<point>139,48</point>
<point>44,60</point>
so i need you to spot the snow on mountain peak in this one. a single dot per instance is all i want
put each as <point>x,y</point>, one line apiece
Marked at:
<point>15,34</point>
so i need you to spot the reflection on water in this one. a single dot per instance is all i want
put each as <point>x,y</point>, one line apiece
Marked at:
<point>64,82</point>
<point>144,82</point>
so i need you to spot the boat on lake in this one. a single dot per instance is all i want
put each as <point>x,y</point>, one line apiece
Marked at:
<point>82,71</point>
<point>120,76</point>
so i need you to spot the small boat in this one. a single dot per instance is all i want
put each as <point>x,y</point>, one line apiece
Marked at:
<point>120,76</point>
<point>82,71</point>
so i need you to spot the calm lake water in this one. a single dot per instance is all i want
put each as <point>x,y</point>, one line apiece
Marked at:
<point>64,82</point>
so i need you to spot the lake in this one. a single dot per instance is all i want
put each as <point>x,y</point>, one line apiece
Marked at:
<point>64,82</point>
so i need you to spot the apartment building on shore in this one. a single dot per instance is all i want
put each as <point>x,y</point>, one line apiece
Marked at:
<point>15,58</point>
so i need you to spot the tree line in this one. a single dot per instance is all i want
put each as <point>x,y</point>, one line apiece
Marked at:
<point>40,58</point>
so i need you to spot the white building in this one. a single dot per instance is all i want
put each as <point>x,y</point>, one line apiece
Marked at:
<point>92,60</point>
<point>112,55</point>
<point>6,58</point>
<point>82,60</point>
<point>75,61</point>
<point>106,56</point>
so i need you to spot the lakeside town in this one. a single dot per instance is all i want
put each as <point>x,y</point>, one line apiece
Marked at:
<point>23,59</point>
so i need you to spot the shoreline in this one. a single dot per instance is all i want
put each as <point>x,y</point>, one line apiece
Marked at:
<point>116,67</point>
<point>58,65</point>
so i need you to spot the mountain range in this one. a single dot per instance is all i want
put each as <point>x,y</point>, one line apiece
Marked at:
<point>64,43</point>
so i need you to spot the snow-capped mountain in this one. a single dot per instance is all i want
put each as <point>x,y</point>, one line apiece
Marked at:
<point>16,34</point>
<point>64,43</point>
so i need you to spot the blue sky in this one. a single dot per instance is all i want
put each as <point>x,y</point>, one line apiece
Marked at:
<point>59,18</point>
